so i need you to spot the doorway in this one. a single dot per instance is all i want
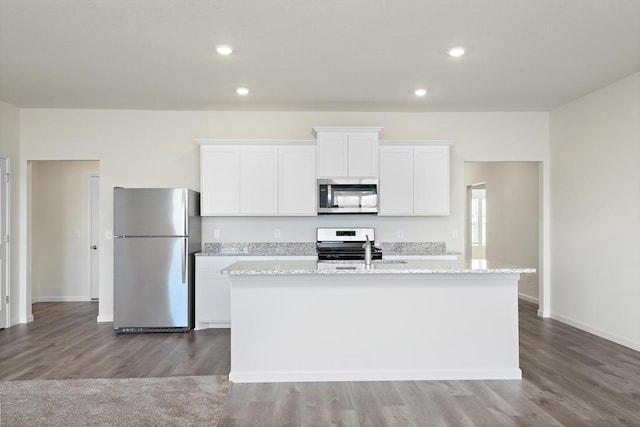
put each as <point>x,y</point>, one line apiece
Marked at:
<point>478,221</point>
<point>5,177</point>
<point>60,230</point>
<point>503,217</point>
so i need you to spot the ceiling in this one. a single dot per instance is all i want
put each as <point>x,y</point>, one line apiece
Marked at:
<point>344,55</point>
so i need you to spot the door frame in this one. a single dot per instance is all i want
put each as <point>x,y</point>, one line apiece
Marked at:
<point>6,206</point>
<point>90,233</point>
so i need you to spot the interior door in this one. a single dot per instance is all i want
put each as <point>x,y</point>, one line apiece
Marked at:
<point>94,230</point>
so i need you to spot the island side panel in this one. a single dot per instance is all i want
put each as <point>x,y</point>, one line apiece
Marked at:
<point>350,327</point>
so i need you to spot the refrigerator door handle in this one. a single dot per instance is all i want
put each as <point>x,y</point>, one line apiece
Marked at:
<point>185,210</point>
<point>185,260</point>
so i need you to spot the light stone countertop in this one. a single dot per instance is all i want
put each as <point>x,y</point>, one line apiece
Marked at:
<point>285,267</point>
<point>393,249</point>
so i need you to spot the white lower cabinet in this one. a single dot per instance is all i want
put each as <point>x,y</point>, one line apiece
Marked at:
<point>213,292</point>
<point>213,289</point>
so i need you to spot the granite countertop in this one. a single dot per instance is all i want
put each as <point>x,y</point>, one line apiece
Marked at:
<point>254,268</point>
<point>309,249</point>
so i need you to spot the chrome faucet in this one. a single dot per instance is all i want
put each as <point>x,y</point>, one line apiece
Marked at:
<point>367,252</point>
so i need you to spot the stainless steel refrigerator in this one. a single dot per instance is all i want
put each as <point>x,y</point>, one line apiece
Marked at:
<point>156,235</point>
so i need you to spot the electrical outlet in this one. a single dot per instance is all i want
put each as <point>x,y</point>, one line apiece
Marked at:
<point>454,234</point>
<point>216,233</point>
<point>401,234</point>
<point>276,233</point>
<point>108,234</point>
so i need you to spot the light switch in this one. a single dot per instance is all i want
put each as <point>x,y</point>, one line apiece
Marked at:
<point>276,233</point>
<point>216,233</point>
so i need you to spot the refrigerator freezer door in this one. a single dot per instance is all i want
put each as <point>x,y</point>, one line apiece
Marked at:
<point>150,212</point>
<point>152,283</point>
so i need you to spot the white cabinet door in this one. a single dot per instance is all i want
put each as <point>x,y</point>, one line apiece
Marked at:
<point>333,152</point>
<point>363,154</point>
<point>259,180</point>
<point>219,180</point>
<point>348,154</point>
<point>213,292</point>
<point>297,180</point>
<point>396,180</point>
<point>431,180</point>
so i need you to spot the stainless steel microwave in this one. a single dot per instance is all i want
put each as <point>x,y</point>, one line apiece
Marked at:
<point>348,195</point>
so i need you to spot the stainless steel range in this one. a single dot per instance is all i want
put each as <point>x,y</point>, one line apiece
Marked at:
<point>345,243</point>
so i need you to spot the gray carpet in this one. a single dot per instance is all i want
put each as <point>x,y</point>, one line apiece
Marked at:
<point>174,401</point>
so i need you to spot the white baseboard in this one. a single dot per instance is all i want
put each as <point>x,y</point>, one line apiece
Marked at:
<point>323,376</point>
<point>602,334</point>
<point>211,324</point>
<point>27,319</point>
<point>105,318</point>
<point>61,299</point>
<point>528,298</point>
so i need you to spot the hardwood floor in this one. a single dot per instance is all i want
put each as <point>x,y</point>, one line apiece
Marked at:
<point>64,341</point>
<point>570,377</point>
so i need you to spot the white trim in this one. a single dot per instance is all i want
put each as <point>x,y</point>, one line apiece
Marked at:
<point>528,298</point>
<point>104,318</point>
<point>602,334</point>
<point>544,268</point>
<point>7,246</point>
<point>211,324</point>
<point>27,319</point>
<point>90,229</point>
<point>323,376</point>
<point>61,299</point>
<point>385,142</point>
<point>205,141</point>
<point>342,129</point>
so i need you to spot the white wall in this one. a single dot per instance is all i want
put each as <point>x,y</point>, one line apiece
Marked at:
<point>10,146</point>
<point>157,148</point>
<point>595,216</point>
<point>512,215</point>
<point>60,237</point>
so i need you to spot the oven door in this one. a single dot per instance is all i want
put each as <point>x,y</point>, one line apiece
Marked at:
<point>348,196</point>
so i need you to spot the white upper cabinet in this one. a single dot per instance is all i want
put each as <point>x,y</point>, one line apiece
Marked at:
<point>431,180</point>
<point>259,180</point>
<point>347,152</point>
<point>297,180</point>
<point>414,179</point>
<point>263,178</point>
<point>219,180</point>
<point>333,152</point>
<point>396,180</point>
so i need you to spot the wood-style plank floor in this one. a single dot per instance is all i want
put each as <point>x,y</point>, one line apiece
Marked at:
<point>570,377</point>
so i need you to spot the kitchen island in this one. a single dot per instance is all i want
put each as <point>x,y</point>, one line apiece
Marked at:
<point>340,321</point>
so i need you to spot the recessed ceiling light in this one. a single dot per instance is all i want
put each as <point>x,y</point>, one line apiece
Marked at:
<point>224,49</point>
<point>242,91</point>
<point>420,92</point>
<point>456,51</point>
